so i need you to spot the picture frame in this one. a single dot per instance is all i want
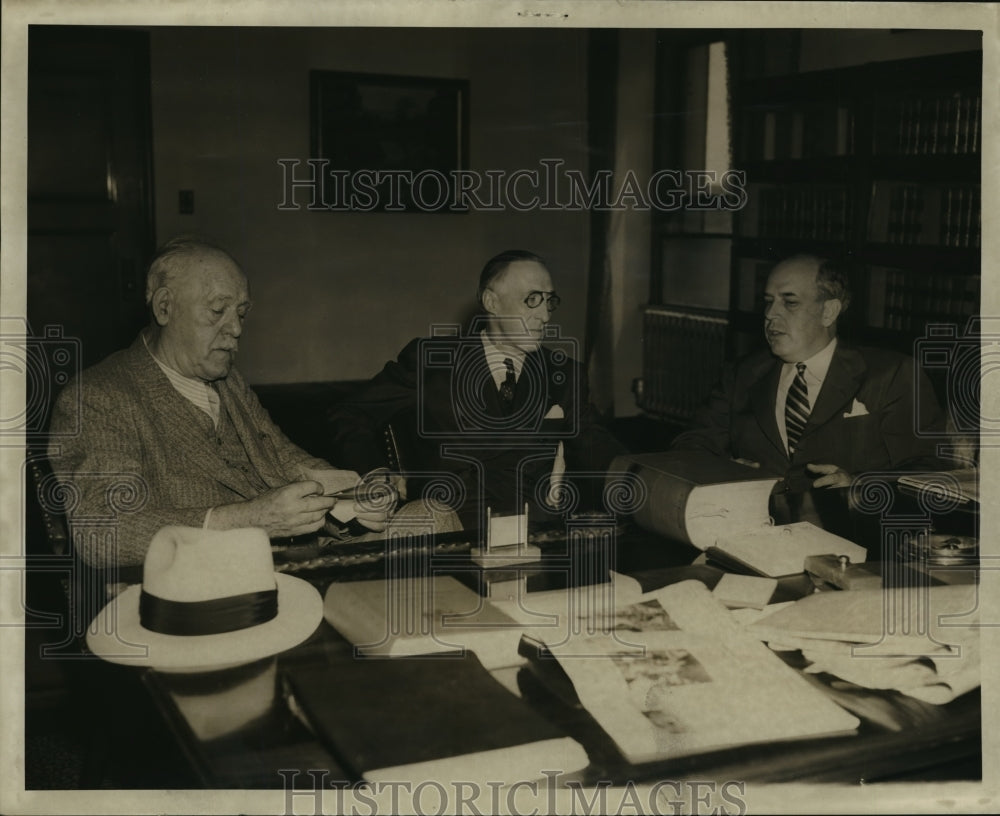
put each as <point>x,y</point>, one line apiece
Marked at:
<point>388,143</point>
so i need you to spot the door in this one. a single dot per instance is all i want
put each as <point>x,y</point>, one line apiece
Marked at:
<point>89,188</point>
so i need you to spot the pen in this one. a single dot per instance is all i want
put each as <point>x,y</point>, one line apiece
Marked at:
<point>366,491</point>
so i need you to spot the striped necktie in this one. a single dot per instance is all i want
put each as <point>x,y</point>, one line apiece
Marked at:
<point>507,387</point>
<point>796,408</point>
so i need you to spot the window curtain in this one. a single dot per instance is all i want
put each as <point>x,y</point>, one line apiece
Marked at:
<point>602,108</point>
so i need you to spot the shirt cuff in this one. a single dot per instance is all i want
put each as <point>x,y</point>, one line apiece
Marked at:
<point>208,518</point>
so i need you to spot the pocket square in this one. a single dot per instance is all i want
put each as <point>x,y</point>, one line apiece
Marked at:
<point>556,412</point>
<point>857,409</point>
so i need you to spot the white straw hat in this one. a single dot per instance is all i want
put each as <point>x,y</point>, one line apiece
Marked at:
<point>209,599</point>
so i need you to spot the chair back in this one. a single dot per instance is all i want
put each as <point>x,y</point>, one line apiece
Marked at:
<point>45,503</point>
<point>51,550</point>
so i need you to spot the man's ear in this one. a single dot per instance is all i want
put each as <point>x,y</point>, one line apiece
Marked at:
<point>162,304</point>
<point>490,301</point>
<point>831,311</point>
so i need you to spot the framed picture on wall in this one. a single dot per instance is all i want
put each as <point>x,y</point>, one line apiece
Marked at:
<point>388,143</point>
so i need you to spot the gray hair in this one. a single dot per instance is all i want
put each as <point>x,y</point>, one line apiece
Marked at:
<point>498,264</point>
<point>172,257</point>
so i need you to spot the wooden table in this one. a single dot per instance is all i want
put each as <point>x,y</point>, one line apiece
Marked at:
<point>899,738</point>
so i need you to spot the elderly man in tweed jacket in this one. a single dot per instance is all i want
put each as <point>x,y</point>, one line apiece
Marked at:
<point>170,433</point>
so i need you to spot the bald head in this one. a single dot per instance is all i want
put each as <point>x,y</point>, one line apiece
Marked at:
<point>803,299</point>
<point>511,319</point>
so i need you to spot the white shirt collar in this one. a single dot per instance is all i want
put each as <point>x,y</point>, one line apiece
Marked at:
<point>495,357</point>
<point>198,392</point>
<point>818,364</point>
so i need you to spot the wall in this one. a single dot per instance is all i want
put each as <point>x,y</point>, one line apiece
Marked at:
<point>629,231</point>
<point>337,294</point>
<point>833,48</point>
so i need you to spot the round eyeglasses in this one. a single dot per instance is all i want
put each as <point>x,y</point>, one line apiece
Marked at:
<point>534,300</point>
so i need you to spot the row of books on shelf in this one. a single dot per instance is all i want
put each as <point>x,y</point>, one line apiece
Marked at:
<point>934,123</point>
<point>752,279</point>
<point>942,123</point>
<point>898,299</point>
<point>813,212</point>
<point>682,355</point>
<point>907,300</point>
<point>930,214</point>
<point>817,131</point>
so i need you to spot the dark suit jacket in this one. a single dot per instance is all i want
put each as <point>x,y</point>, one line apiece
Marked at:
<point>146,457</point>
<point>739,418</point>
<point>441,397</point>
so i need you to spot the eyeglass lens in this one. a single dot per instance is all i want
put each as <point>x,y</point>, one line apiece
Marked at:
<point>534,300</point>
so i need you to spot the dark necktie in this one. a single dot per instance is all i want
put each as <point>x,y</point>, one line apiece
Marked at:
<point>507,387</point>
<point>796,408</point>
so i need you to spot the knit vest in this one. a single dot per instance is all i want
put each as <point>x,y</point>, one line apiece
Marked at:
<point>226,444</point>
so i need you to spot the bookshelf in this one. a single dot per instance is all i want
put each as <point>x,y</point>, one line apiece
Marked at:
<point>877,165</point>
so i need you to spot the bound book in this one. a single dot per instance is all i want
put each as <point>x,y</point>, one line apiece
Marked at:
<point>960,485</point>
<point>443,717</point>
<point>417,616</point>
<point>775,551</point>
<point>694,496</point>
<point>685,680</point>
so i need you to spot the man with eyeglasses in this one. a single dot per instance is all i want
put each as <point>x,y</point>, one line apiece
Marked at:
<point>499,413</point>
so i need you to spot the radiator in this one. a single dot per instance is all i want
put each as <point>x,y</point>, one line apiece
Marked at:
<point>682,359</point>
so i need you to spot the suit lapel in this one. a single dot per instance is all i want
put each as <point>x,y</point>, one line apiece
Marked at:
<point>489,394</point>
<point>843,379</point>
<point>533,385</point>
<point>170,410</point>
<point>763,396</point>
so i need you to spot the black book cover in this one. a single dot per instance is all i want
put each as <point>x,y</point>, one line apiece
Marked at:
<point>406,713</point>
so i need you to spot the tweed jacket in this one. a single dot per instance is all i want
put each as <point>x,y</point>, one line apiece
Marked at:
<point>440,395</point>
<point>865,417</point>
<point>145,457</point>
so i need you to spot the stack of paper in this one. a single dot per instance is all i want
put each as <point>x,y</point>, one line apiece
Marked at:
<point>921,641</point>
<point>782,550</point>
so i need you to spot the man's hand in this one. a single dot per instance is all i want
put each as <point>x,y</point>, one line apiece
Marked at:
<point>295,509</point>
<point>375,509</point>
<point>375,520</point>
<point>332,479</point>
<point>375,499</point>
<point>832,476</point>
<point>380,475</point>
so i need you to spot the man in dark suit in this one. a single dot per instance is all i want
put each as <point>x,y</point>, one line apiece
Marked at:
<point>498,415</point>
<point>812,410</point>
